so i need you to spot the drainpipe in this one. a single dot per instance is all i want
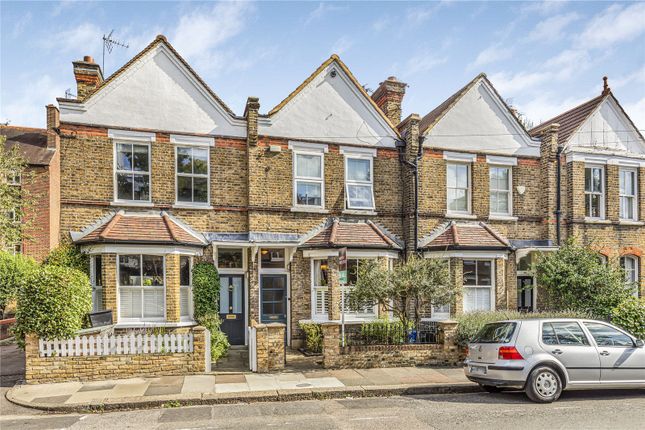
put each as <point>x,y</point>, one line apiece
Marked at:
<point>415,167</point>
<point>558,195</point>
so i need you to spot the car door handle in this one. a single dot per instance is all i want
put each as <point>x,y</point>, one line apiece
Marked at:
<point>604,353</point>
<point>557,351</point>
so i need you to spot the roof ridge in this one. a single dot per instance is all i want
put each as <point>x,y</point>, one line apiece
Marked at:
<point>334,231</point>
<point>455,233</point>
<point>495,234</point>
<point>23,127</point>
<point>110,224</point>
<point>380,233</point>
<point>167,222</point>
<point>544,124</point>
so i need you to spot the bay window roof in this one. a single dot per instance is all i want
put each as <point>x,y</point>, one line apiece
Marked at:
<point>453,235</point>
<point>336,233</point>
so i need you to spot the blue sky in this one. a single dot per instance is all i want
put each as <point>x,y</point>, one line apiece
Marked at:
<point>543,57</point>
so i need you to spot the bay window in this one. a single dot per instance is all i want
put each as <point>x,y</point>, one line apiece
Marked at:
<point>478,278</point>
<point>500,191</point>
<point>308,179</point>
<point>320,289</point>
<point>185,288</point>
<point>629,263</point>
<point>628,194</point>
<point>141,280</point>
<point>192,175</point>
<point>132,172</point>
<point>366,312</point>
<point>96,279</point>
<point>459,187</point>
<point>595,192</point>
<point>359,188</point>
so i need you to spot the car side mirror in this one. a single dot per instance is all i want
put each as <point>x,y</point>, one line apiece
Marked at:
<point>639,343</point>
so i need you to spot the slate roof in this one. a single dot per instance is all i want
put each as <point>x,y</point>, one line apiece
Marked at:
<point>453,235</point>
<point>351,234</point>
<point>140,228</point>
<point>31,141</point>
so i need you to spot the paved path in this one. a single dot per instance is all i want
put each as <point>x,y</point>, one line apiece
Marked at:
<point>146,392</point>
<point>575,410</point>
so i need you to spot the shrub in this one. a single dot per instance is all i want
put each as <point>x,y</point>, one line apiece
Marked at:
<point>470,323</point>
<point>385,332</point>
<point>313,336</point>
<point>630,315</point>
<point>52,303</point>
<point>206,306</point>
<point>13,271</point>
<point>68,255</point>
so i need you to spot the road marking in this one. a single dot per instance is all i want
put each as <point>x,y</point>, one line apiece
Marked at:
<point>371,418</point>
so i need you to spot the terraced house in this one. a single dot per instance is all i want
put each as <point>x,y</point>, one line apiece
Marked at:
<point>157,171</point>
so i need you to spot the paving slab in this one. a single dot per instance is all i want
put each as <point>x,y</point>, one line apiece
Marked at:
<point>198,384</point>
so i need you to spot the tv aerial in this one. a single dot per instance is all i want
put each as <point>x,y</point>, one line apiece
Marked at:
<point>108,44</point>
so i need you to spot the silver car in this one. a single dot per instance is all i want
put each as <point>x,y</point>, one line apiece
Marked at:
<point>545,356</point>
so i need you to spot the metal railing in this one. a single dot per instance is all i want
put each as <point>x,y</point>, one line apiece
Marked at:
<point>391,333</point>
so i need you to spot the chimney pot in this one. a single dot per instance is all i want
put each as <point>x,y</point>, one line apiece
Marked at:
<point>88,59</point>
<point>605,85</point>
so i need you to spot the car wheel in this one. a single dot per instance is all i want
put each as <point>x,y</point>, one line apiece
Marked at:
<point>491,388</point>
<point>544,385</point>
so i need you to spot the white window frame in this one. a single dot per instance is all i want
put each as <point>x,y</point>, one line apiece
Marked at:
<point>469,188</point>
<point>206,175</point>
<point>310,179</point>
<point>492,286</point>
<point>15,179</point>
<point>602,193</point>
<point>315,289</point>
<point>189,287</point>
<point>141,288</point>
<point>228,270</point>
<point>97,290</point>
<point>344,289</point>
<point>348,182</point>
<point>115,152</point>
<point>508,192</point>
<point>634,278</point>
<point>634,172</point>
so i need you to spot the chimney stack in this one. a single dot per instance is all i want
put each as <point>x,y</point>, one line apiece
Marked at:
<point>605,86</point>
<point>88,77</point>
<point>53,122</point>
<point>389,96</point>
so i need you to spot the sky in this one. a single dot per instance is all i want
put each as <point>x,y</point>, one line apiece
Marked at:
<point>542,57</point>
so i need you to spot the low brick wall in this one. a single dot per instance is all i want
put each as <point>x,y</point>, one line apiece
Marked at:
<point>270,349</point>
<point>443,353</point>
<point>40,370</point>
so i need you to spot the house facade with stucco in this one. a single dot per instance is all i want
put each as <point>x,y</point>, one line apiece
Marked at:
<point>158,173</point>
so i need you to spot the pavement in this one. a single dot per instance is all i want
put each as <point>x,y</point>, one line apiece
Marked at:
<point>474,411</point>
<point>165,391</point>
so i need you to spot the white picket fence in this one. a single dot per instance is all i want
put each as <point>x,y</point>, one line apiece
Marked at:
<point>116,345</point>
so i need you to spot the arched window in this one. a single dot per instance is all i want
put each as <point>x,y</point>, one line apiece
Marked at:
<point>629,263</point>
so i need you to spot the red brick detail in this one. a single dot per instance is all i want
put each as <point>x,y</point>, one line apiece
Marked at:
<point>631,250</point>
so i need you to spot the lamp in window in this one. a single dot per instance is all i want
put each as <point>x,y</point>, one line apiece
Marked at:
<point>323,267</point>
<point>264,252</point>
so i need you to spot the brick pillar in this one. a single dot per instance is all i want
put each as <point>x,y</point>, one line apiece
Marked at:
<point>548,173</point>
<point>201,350</point>
<point>411,135</point>
<point>88,77</point>
<point>511,282</point>
<point>108,269</point>
<point>501,295</point>
<point>448,335</point>
<point>457,275</point>
<point>270,347</point>
<point>334,289</point>
<point>576,190</point>
<point>331,344</point>
<point>173,298</point>
<point>388,97</point>
<point>481,188</point>
<point>254,289</point>
<point>612,189</point>
<point>251,114</point>
<point>31,357</point>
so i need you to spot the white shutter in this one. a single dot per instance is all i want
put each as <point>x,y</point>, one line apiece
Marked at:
<point>153,300</point>
<point>184,303</point>
<point>130,303</point>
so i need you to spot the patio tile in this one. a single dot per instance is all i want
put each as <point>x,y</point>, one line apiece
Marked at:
<point>198,384</point>
<point>53,400</point>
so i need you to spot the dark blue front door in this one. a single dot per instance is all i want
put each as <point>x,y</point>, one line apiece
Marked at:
<point>231,307</point>
<point>273,296</point>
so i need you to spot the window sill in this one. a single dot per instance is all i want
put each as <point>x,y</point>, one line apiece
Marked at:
<point>597,221</point>
<point>313,210</point>
<point>133,204</point>
<point>368,212</point>
<point>460,216</point>
<point>502,218</point>
<point>189,206</point>
<point>152,324</point>
<point>631,222</point>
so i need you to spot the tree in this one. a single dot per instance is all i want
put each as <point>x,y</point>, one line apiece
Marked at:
<point>405,290</point>
<point>14,199</point>
<point>575,278</point>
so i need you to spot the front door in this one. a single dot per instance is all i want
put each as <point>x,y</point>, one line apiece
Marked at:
<point>273,298</point>
<point>231,307</point>
<point>525,294</point>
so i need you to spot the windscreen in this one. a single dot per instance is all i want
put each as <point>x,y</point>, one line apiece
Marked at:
<point>499,332</point>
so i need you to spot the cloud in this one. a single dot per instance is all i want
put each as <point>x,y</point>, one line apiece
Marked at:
<point>422,62</point>
<point>546,7</point>
<point>511,84</point>
<point>20,24</point>
<point>546,106</point>
<point>637,77</point>
<point>420,14</point>
<point>80,40</point>
<point>381,24</point>
<point>568,63</point>
<point>342,45</point>
<point>322,10</point>
<point>27,106</point>
<point>492,54</point>
<point>636,111</point>
<point>552,28</point>
<point>614,25</point>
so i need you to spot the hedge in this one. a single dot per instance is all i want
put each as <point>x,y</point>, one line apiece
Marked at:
<point>206,287</point>
<point>630,315</point>
<point>13,272</point>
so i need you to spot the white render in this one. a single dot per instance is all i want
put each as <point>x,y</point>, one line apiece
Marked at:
<point>607,129</point>
<point>156,92</point>
<point>479,122</point>
<point>330,109</point>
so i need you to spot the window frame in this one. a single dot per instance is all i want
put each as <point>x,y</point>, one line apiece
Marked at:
<point>14,179</point>
<point>602,194</point>
<point>491,287</point>
<point>350,182</point>
<point>469,188</point>
<point>207,175</point>
<point>315,316</point>
<point>345,289</point>
<point>141,288</point>
<point>96,288</point>
<point>296,178</point>
<point>116,172</point>
<point>509,191</point>
<point>636,275</point>
<point>634,196</point>
<point>191,307</point>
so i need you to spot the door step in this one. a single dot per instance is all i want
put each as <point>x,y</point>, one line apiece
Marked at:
<point>236,360</point>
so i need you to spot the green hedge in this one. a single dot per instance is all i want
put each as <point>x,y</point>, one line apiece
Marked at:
<point>206,306</point>
<point>14,269</point>
<point>313,336</point>
<point>52,303</point>
<point>68,255</point>
<point>470,323</point>
<point>630,315</point>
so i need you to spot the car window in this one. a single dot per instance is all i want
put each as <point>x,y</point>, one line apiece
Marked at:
<point>563,333</point>
<point>608,336</point>
<point>500,332</point>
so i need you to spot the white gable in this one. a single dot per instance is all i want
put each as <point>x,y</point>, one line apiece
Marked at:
<point>479,122</point>
<point>608,128</point>
<point>156,92</point>
<point>330,109</point>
